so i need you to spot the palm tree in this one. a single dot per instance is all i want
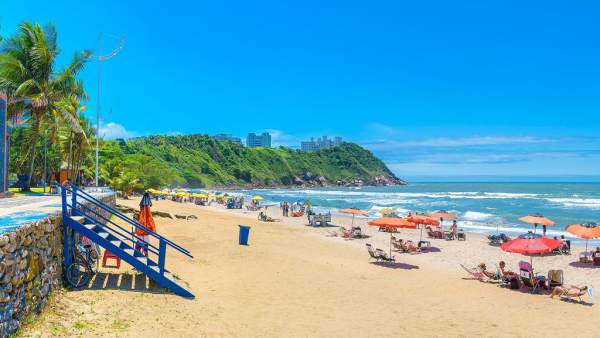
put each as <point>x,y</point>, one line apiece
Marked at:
<point>127,181</point>
<point>31,80</point>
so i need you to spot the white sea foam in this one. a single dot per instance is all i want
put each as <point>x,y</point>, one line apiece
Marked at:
<point>592,203</point>
<point>476,216</point>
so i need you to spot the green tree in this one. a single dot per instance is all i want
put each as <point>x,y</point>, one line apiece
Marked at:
<point>32,81</point>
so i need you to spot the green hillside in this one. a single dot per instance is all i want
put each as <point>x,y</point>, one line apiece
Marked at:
<point>200,161</point>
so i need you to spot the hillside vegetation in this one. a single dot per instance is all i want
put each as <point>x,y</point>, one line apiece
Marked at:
<point>200,161</point>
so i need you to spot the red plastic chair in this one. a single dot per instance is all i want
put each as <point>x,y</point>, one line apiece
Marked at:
<point>107,255</point>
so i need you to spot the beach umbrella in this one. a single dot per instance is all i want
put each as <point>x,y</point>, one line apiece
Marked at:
<point>392,222</point>
<point>531,243</point>
<point>386,211</point>
<point>256,198</point>
<point>441,214</point>
<point>497,221</point>
<point>354,211</point>
<point>536,219</point>
<point>423,220</point>
<point>587,230</point>
<point>146,218</point>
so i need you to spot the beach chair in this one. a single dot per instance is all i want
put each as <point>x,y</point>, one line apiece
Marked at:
<point>448,235</point>
<point>473,272</point>
<point>411,247</point>
<point>461,235</point>
<point>488,277</point>
<point>494,239</point>
<point>590,292</point>
<point>356,232</point>
<point>555,278</point>
<point>397,244</point>
<point>373,253</point>
<point>596,258</point>
<point>528,278</point>
<point>384,257</point>
<point>430,233</point>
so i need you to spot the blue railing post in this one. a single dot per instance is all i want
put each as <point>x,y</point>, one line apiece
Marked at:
<point>162,255</point>
<point>65,232</point>
<point>74,201</point>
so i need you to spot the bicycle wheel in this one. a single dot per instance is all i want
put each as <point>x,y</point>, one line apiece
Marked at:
<point>78,274</point>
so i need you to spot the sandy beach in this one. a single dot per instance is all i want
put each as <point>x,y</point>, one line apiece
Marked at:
<point>293,280</point>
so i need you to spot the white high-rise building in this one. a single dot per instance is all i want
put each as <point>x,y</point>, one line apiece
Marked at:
<point>227,137</point>
<point>320,143</point>
<point>257,141</point>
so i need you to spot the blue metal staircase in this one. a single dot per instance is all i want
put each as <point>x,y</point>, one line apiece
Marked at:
<point>114,238</point>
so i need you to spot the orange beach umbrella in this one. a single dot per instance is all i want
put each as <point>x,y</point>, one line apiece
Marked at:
<point>441,214</point>
<point>392,222</point>
<point>354,211</point>
<point>587,230</point>
<point>425,220</point>
<point>536,219</point>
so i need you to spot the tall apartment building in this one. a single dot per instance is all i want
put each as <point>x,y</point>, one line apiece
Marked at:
<point>227,137</point>
<point>256,141</point>
<point>320,143</point>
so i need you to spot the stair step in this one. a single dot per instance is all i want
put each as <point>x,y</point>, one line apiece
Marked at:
<point>116,243</point>
<point>143,259</point>
<point>90,226</point>
<point>78,219</point>
<point>103,234</point>
<point>129,251</point>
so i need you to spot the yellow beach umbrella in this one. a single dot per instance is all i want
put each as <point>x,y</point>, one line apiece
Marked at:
<point>212,195</point>
<point>221,195</point>
<point>202,196</point>
<point>257,198</point>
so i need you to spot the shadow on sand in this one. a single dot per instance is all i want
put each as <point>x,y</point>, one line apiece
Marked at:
<point>396,265</point>
<point>136,282</point>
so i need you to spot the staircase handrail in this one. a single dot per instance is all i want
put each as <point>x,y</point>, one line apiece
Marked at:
<point>98,223</point>
<point>117,213</point>
<point>128,220</point>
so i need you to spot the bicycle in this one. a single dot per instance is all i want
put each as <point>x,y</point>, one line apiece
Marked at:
<point>85,264</point>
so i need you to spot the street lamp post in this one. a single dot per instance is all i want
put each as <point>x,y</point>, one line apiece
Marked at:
<point>101,57</point>
<point>45,149</point>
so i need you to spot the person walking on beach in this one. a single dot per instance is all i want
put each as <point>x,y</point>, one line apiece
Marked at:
<point>454,228</point>
<point>287,210</point>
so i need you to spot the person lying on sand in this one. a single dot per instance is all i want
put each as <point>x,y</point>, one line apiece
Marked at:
<point>574,291</point>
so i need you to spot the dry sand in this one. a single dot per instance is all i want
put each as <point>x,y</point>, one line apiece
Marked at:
<point>294,281</point>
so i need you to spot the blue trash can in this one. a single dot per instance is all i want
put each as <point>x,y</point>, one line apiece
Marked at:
<point>244,232</point>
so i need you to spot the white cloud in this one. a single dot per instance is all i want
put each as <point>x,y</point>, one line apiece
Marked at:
<point>111,131</point>
<point>279,138</point>
<point>173,133</point>
<point>460,142</point>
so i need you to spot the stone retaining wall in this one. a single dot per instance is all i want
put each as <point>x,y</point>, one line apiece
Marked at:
<point>31,266</point>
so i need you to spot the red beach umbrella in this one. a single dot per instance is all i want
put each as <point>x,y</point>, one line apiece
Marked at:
<point>531,243</point>
<point>354,211</point>
<point>392,222</point>
<point>423,220</point>
<point>587,230</point>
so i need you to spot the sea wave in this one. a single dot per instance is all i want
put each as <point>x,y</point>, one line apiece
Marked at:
<point>592,203</point>
<point>476,216</point>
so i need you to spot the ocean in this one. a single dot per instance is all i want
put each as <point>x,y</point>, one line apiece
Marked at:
<point>473,203</point>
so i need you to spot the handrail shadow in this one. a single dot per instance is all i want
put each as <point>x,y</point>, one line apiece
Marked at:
<point>136,282</point>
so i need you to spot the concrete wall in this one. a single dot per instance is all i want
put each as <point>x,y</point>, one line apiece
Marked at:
<point>31,267</point>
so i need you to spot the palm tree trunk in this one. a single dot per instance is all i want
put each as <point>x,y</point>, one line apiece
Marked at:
<point>33,146</point>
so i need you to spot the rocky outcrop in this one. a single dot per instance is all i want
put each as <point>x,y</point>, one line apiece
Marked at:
<point>31,267</point>
<point>303,182</point>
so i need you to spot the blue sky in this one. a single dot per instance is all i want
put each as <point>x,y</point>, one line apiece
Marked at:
<point>435,88</point>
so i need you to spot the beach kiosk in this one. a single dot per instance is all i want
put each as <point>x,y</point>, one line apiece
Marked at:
<point>5,132</point>
<point>322,219</point>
